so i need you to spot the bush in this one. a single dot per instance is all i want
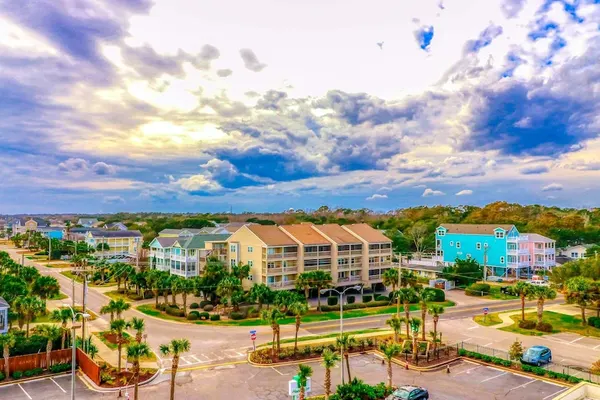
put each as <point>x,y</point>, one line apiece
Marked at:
<point>350,299</point>
<point>236,316</point>
<point>437,294</point>
<point>527,324</point>
<point>215,317</point>
<point>378,303</point>
<point>204,303</point>
<point>539,371</point>
<point>367,298</point>
<point>193,316</point>
<point>204,315</point>
<point>56,368</point>
<point>462,352</point>
<point>574,379</point>
<point>332,300</point>
<point>2,376</point>
<point>594,321</point>
<point>544,327</point>
<point>478,289</point>
<point>526,368</point>
<point>175,312</point>
<point>32,372</point>
<point>161,306</point>
<point>194,306</point>
<point>208,308</point>
<point>382,298</point>
<point>17,375</point>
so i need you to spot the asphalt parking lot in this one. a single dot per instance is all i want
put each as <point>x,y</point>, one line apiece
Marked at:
<point>57,388</point>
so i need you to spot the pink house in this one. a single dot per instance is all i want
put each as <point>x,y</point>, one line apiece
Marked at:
<point>541,250</point>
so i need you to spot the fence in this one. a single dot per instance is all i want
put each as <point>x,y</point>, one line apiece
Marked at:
<point>579,372</point>
<point>88,366</point>
<point>38,360</point>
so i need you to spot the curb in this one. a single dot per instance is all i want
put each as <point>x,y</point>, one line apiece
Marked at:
<point>328,340</point>
<point>33,378</point>
<point>306,360</point>
<point>93,387</point>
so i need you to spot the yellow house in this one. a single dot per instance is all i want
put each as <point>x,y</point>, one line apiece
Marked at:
<point>115,244</point>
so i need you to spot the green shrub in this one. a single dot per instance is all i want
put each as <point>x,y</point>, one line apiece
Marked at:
<point>354,306</point>
<point>56,368</point>
<point>17,375</point>
<point>176,312</point>
<point>2,376</point>
<point>507,363</point>
<point>193,317</point>
<point>594,321</point>
<point>486,358</point>
<point>462,352</point>
<point>332,300</point>
<point>437,294</point>
<point>236,316</point>
<point>539,371</point>
<point>215,317</point>
<point>350,299</point>
<point>544,327</point>
<point>161,306</point>
<point>307,350</point>
<point>208,308</point>
<point>382,298</point>
<point>526,368</point>
<point>574,379</point>
<point>194,306</point>
<point>204,315</point>
<point>478,289</point>
<point>204,303</point>
<point>527,324</point>
<point>367,298</point>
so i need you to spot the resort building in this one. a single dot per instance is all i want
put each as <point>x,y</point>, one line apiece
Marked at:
<point>346,254</point>
<point>115,245</point>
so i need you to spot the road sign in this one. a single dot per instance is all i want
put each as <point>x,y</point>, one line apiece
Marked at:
<point>485,310</point>
<point>253,337</point>
<point>253,332</point>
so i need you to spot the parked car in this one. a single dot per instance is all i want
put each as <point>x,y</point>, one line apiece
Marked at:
<point>537,355</point>
<point>494,278</point>
<point>538,282</point>
<point>409,393</point>
<point>506,290</point>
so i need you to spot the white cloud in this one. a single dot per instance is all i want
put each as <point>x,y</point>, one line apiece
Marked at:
<point>384,189</point>
<point>430,192</point>
<point>113,200</point>
<point>377,197</point>
<point>465,192</point>
<point>553,187</point>
<point>198,183</point>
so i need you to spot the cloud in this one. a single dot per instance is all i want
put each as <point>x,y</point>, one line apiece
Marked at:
<point>553,187</point>
<point>102,168</point>
<point>113,200</point>
<point>534,170</point>
<point>251,61</point>
<point>224,72</point>
<point>198,184</point>
<point>430,192</point>
<point>424,36</point>
<point>73,165</point>
<point>511,8</point>
<point>377,196</point>
<point>485,39</point>
<point>384,189</point>
<point>465,192</point>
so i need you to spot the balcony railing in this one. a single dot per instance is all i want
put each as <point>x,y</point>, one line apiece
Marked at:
<point>279,256</point>
<point>281,284</point>
<point>272,270</point>
<point>343,266</point>
<point>514,252</point>
<point>344,279</point>
<point>356,252</point>
<point>374,277</point>
<point>342,253</point>
<point>381,264</point>
<point>316,267</point>
<point>380,251</point>
<point>355,278</point>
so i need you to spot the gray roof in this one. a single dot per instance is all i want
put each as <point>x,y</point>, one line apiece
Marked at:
<point>475,229</point>
<point>84,230</point>
<point>116,234</point>
<point>199,241</point>
<point>3,303</point>
<point>165,241</point>
<point>432,268</point>
<point>169,231</point>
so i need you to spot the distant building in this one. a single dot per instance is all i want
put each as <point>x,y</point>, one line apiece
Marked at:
<point>87,222</point>
<point>115,226</point>
<point>121,244</point>
<point>52,232</point>
<point>3,315</point>
<point>575,252</point>
<point>218,229</point>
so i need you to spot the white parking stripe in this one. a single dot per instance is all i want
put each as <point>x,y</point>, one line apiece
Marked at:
<point>596,347</point>
<point>468,370</point>
<point>523,385</point>
<point>577,340</point>
<point>196,358</point>
<point>64,391</point>
<point>184,360</point>
<point>486,345</point>
<point>494,377</point>
<point>274,369</point>
<point>554,394</point>
<point>24,391</point>
<point>473,327</point>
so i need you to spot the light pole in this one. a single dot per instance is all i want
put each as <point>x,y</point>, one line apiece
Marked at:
<point>74,350</point>
<point>341,295</point>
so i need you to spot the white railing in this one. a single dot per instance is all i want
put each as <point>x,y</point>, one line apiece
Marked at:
<point>343,253</point>
<point>344,279</point>
<point>356,252</point>
<point>281,284</point>
<point>344,266</point>
<point>374,277</point>
<point>355,278</point>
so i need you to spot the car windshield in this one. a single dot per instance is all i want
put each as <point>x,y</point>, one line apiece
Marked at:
<point>401,394</point>
<point>533,352</point>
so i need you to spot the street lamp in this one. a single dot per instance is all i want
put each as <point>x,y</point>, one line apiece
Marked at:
<point>74,354</point>
<point>341,294</point>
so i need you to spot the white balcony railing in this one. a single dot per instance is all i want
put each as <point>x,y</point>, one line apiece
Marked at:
<point>374,277</point>
<point>279,256</point>
<point>356,252</point>
<point>281,284</point>
<point>344,279</point>
<point>355,278</point>
<point>342,253</point>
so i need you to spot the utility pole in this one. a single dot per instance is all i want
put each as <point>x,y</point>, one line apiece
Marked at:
<point>73,291</point>
<point>485,250</point>
<point>49,248</point>
<point>83,311</point>
<point>399,284</point>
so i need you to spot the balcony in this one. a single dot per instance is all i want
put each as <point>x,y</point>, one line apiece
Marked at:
<point>355,278</point>
<point>281,284</point>
<point>342,253</point>
<point>284,255</point>
<point>344,279</point>
<point>380,251</point>
<point>517,252</point>
<point>381,264</point>
<point>356,252</point>
<point>325,267</point>
<point>517,264</point>
<point>343,266</point>
<point>374,277</point>
<point>317,254</point>
<point>272,270</point>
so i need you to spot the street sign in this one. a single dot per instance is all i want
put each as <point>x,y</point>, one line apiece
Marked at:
<point>253,336</point>
<point>253,332</point>
<point>485,310</point>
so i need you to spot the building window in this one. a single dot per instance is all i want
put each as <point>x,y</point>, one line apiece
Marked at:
<point>233,263</point>
<point>451,243</point>
<point>478,245</point>
<point>499,235</point>
<point>468,256</point>
<point>250,249</point>
<point>502,260</point>
<point>250,263</point>
<point>458,245</point>
<point>441,232</point>
<point>574,255</point>
<point>250,277</point>
<point>232,248</point>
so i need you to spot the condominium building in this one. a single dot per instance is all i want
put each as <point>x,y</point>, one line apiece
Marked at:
<point>346,254</point>
<point>115,245</point>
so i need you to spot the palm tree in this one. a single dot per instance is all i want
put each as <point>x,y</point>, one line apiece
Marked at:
<point>304,281</point>
<point>273,316</point>
<point>523,290</point>
<point>139,325</point>
<point>390,350</point>
<point>304,372</point>
<point>30,307</point>
<point>185,287</point>
<point>7,341</point>
<point>330,360</point>
<point>115,307</point>
<point>415,323</point>
<point>51,333</point>
<point>45,287</point>
<point>344,342</point>
<point>152,280</point>
<point>176,282</point>
<point>261,294</point>
<point>118,326</point>
<point>396,324</point>
<point>298,309</point>
<point>228,286</point>
<point>406,295</point>
<point>321,280</point>
<point>435,310</point>
<point>135,351</point>
<point>174,349</point>
<point>579,292</point>
<point>541,294</point>
<point>424,296</point>
<point>390,278</point>
<point>63,316</point>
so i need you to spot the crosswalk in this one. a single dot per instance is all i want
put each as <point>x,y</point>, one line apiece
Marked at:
<point>221,356</point>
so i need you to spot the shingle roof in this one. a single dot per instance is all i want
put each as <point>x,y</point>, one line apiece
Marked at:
<point>535,237</point>
<point>475,229</point>
<point>366,232</point>
<point>271,235</point>
<point>165,241</point>
<point>305,234</point>
<point>169,231</point>
<point>199,241</point>
<point>116,234</point>
<point>3,303</point>
<point>337,234</point>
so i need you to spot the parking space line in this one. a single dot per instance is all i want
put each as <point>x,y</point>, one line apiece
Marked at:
<point>467,339</point>
<point>60,387</point>
<point>184,360</point>
<point>196,358</point>
<point>473,327</point>
<point>523,385</point>
<point>554,394</point>
<point>494,377</point>
<point>276,370</point>
<point>468,370</point>
<point>577,340</point>
<point>486,345</point>
<point>24,391</point>
<point>240,354</point>
<point>596,347</point>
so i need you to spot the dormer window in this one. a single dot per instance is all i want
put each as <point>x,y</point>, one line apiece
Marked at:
<point>499,234</point>
<point>441,232</point>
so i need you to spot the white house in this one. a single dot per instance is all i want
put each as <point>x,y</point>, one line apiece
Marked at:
<point>575,252</point>
<point>3,315</point>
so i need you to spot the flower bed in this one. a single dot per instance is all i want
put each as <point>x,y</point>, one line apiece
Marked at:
<point>111,379</point>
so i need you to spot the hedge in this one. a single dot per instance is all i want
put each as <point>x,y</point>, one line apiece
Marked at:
<point>176,312</point>
<point>17,375</point>
<point>215,317</point>
<point>478,289</point>
<point>382,298</point>
<point>367,298</point>
<point>2,376</point>
<point>332,300</point>
<point>236,316</point>
<point>526,324</point>
<point>204,303</point>
<point>208,307</point>
<point>204,315</point>
<point>32,372</point>
<point>594,321</point>
<point>356,306</point>
<point>350,299</point>
<point>544,327</point>
<point>56,368</point>
<point>193,317</point>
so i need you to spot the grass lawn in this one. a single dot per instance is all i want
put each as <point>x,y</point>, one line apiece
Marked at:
<point>59,265</point>
<point>312,316</point>
<point>496,295</point>
<point>59,296</point>
<point>79,279</point>
<point>327,336</point>
<point>560,323</point>
<point>116,295</point>
<point>108,343</point>
<point>491,319</point>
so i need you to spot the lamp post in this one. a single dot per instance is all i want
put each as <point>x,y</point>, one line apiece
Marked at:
<point>341,294</point>
<point>74,350</point>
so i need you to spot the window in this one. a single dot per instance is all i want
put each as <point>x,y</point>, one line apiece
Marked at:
<point>441,232</point>
<point>232,248</point>
<point>501,260</point>
<point>250,249</point>
<point>451,243</point>
<point>458,245</point>
<point>499,235</point>
<point>233,263</point>
<point>250,277</point>
<point>574,255</point>
<point>250,263</point>
<point>485,245</point>
<point>478,245</point>
<point>468,256</point>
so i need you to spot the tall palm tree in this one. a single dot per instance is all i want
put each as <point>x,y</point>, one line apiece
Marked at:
<point>390,278</point>
<point>139,325</point>
<point>7,341</point>
<point>330,360</point>
<point>185,287</point>
<point>304,372</point>
<point>415,323</point>
<point>45,287</point>
<point>304,281</point>
<point>344,342</point>
<point>135,351</point>
<point>298,309</point>
<point>396,324</point>
<point>174,349</point>
<point>524,291</point>
<point>63,316</point>
<point>51,333</point>
<point>176,282</point>
<point>152,280</point>
<point>321,280</point>
<point>272,316</point>
<point>435,310</point>
<point>424,296</point>
<point>390,350</point>
<point>261,294</point>
<point>406,295</point>
<point>579,291</point>
<point>541,294</point>
<point>115,307</point>
<point>227,287</point>
<point>30,306</point>
<point>118,326</point>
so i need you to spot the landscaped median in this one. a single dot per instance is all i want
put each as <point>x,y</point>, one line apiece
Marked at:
<point>559,323</point>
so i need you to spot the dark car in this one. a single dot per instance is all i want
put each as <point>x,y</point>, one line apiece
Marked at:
<point>537,355</point>
<point>506,290</point>
<point>409,393</point>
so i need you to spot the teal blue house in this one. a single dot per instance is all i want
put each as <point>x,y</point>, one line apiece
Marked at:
<point>495,246</point>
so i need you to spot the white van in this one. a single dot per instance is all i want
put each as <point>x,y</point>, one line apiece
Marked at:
<point>538,282</point>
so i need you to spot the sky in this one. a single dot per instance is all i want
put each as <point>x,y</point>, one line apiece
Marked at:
<point>265,105</point>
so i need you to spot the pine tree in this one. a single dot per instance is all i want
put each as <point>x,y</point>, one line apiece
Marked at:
<point>516,350</point>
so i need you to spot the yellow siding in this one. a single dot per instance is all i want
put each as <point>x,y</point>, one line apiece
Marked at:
<point>242,239</point>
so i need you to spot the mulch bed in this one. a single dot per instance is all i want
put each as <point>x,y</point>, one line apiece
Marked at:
<point>112,338</point>
<point>423,361</point>
<point>144,376</point>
